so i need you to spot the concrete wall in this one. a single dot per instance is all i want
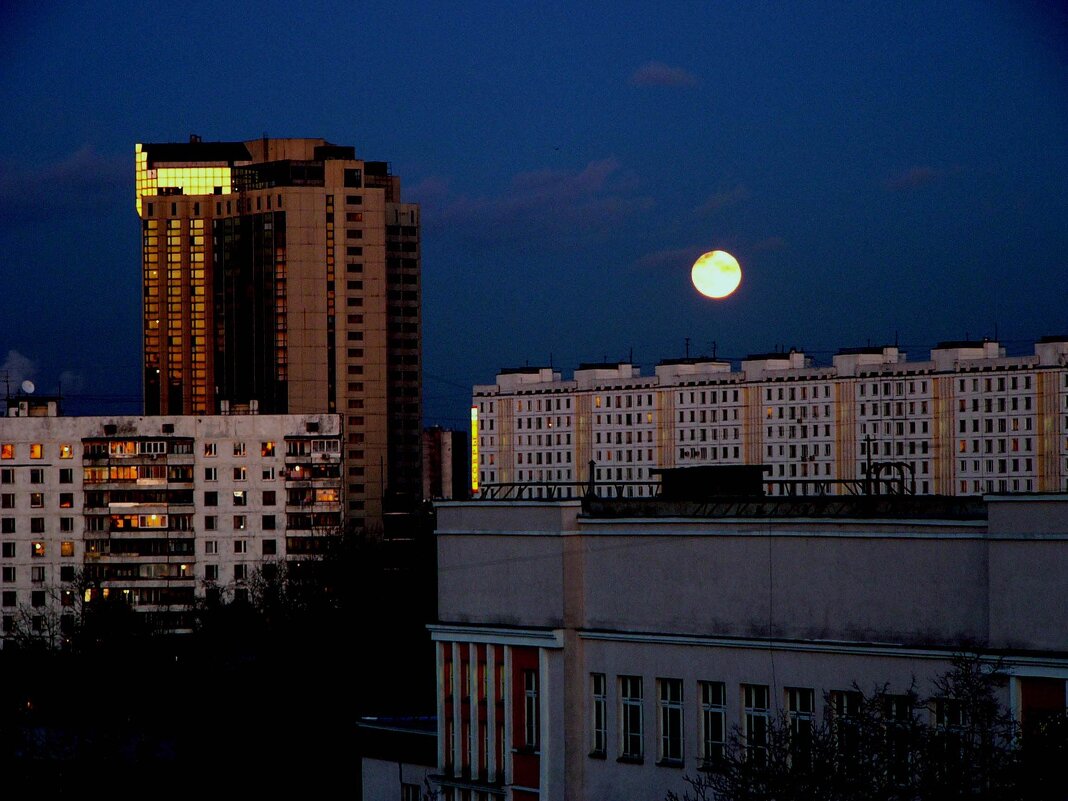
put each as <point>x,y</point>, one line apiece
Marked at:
<point>382,779</point>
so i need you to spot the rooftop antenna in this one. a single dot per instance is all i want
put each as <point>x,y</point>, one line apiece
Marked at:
<point>687,347</point>
<point>630,358</point>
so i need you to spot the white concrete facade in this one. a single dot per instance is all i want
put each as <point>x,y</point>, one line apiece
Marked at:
<point>640,614</point>
<point>159,509</point>
<point>968,421</point>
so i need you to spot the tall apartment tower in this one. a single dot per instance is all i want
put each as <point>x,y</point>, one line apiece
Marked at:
<point>283,276</point>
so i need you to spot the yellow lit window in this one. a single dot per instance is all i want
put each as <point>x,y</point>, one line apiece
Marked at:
<point>38,549</point>
<point>7,451</point>
<point>35,450</point>
<point>66,452</point>
<point>66,548</point>
<point>266,449</point>
<point>325,495</point>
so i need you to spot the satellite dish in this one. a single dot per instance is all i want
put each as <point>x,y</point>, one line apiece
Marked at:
<point>28,387</point>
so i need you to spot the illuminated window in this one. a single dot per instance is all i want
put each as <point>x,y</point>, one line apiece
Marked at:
<point>66,548</point>
<point>7,451</point>
<point>239,449</point>
<point>36,500</point>
<point>66,452</point>
<point>209,449</point>
<point>66,500</point>
<point>38,549</point>
<point>36,450</point>
<point>240,522</point>
<point>240,498</point>
<point>266,449</point>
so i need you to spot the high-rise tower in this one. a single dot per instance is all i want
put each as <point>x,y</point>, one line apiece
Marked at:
<point>283,276</point>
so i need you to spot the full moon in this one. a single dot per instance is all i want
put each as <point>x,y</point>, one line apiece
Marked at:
<point>716,274</point>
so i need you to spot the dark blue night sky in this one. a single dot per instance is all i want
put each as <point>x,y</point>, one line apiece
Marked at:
<point>881,171</point>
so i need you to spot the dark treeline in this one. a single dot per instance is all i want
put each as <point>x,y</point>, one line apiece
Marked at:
<point>264,693</point>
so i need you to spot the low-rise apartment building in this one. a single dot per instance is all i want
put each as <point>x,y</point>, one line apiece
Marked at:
<point>605,649</point>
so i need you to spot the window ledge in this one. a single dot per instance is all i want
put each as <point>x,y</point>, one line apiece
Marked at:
<point>597,755</point>
<point>626,759</point>
<point>669,763</point>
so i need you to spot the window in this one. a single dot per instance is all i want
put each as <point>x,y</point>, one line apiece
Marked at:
<point>239,449</point>
<point>269,523</point>
<point>713,719</point>
<point>10,598</point>
<point>755,700</point>
<point>7,550</point>
<point>211,474</point>
<point>37,574</point>
<point>211,546</point>
<point>7,450</point>
<point>7,476</point>
<point>240,498</point>
<point>66,548</point>
<point>530,708</point>
<point>36,500</point>
<point>211,572</point>
<point>7,525</point>
<point>240,522</point>
<point>37,475</point>
<point>670,703</point>
<point>8,574</point>
<point>269,498</point>
<point>240,473</point>
<point>66,500</point>
<point>37,525</point>
<point>268,474</point>
<point>37,598</point>
<point>210,449</point>
<point>240,572</point>
<point>66,524</point>
<point>599,715</point>
<point>66,475</point>
<point>799,709</point>
<point>410,792</point>
<point>211,498</point>
<point>211,522</point>
<point>270,547</point>
<point>266,449</point>
<point>240,546</point>
<point>630,715</point>
<point>36,450</point>
<point>66,452</point>
<point>7,500</point>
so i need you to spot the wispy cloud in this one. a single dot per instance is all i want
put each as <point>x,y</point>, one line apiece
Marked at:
<point>82,180</point>
<point>722,199</point>
<point>914,177</point>
<point>657,73</point>
<point>668,258</point>
<point>552,205</point>
<point>15,369</point>
<point>772,244</point>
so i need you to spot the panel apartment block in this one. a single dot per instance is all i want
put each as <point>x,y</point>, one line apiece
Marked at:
<point>159,510</point>
<point>970,420</point>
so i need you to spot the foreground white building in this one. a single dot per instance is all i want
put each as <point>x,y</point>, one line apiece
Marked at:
<point>968,421</point>
<point>160,510</point>
<point>604,650</point>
